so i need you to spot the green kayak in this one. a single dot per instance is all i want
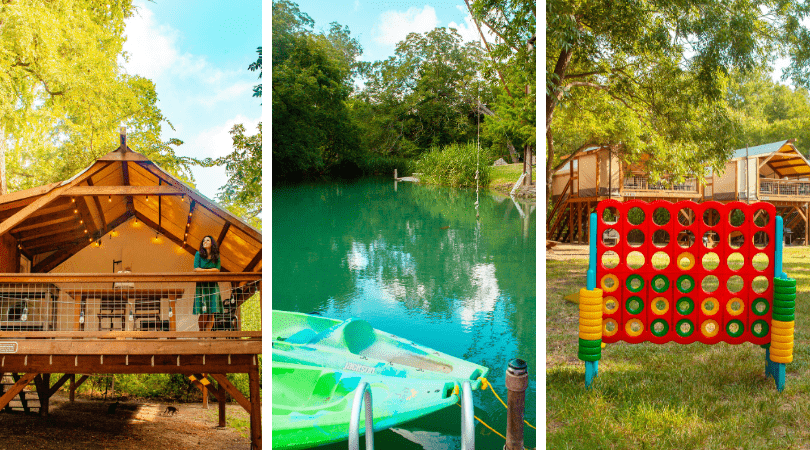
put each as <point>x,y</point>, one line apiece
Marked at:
<point>355,346</point>
<point>312,405</point>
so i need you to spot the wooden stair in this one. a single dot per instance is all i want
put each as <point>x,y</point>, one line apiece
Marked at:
<point>26,401</point>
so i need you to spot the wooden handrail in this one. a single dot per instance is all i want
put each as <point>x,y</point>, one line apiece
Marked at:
<point>181,277</point>
<point>560,200</point>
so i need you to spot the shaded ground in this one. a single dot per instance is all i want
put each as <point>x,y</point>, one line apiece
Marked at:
<point>135,424</point>
<point>564,252</point>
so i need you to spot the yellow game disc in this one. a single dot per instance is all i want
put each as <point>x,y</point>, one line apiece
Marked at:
<point>778,338</point>
<point>590,308</point>
<point>633,327</point>
<point>782,353</point>
<point>781,359</point>
<point>609,327</point>
<point>610,306</point>
<point>690,262</point>
<point>591,315</point>
<point>590,336</point>
<point>590,322</point>
<point>615,283</point>
<point>659,309</point>
<point>590,294</point>
<point>735,306</point>
<point>590,328</point>
<point>709,306</point>
<point>709,328</point>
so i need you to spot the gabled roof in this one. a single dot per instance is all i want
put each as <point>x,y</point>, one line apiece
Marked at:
<point>763,149</point>
<point>51,223</point>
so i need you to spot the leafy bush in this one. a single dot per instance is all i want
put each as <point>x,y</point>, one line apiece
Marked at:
<point>454,165</point>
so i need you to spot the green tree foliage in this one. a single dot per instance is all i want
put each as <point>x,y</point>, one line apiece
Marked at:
<point>312,79</point>
<point>657,73</point>
<point>242,194</point>
<point>423,96</point>
<point>768,111</point>
<point>514,58</point>
<point>63,95</point>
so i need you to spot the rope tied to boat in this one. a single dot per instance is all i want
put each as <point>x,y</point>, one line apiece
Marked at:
<point>485,383</point>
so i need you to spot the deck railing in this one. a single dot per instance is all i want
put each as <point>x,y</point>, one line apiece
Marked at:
<point>129,306</point>
<point>642,183</point>
<point>784,188</point>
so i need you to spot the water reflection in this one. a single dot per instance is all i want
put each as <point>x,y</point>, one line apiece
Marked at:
<point>417,263</point>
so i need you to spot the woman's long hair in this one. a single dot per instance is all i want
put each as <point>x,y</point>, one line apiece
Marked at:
<point>214,249</point>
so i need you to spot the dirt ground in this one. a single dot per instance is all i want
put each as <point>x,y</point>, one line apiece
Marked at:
<point>564,252</point>
<point>135,425</point>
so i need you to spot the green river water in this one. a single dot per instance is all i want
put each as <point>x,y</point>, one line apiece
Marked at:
<point>413,261</point>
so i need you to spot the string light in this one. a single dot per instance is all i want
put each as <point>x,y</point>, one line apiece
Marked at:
<point>73,199</point>
<point>171,312</point>
<point>75,211</point>
<point>109,198</point>
<point>147,198</point>
<point>81,317</point>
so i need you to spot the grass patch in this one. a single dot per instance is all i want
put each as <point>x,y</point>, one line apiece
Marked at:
<point>672,396</point>
<point>508,174</point>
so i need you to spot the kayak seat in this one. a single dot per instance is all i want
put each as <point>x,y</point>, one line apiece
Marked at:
<point>302,336</point>
<point>354,335</point>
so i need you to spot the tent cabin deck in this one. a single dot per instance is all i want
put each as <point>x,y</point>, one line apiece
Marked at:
<point>777,173</point>
<point>65,306</point>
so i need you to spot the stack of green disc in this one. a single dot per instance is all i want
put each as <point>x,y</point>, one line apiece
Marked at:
<point>590,350</point>
<point>784,299</point>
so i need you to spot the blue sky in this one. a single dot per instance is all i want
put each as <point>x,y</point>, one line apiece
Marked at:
<point>197,53</point>
<point>379,25</point>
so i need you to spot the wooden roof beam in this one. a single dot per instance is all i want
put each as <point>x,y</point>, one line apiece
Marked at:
<point>80,191</point>
<point>150,223</point>
<point>253,262</point>
<point>215,209</point>
<point>223,233</point>
<point>24,213</point>
<point>51,232</point>
<point>59,257</point>
<point>41,223</point>
<point>97,212</point>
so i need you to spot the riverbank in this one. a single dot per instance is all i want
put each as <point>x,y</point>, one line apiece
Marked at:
<point>503,179</point>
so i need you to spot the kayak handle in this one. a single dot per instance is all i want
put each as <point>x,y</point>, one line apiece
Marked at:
<point>363,392</point>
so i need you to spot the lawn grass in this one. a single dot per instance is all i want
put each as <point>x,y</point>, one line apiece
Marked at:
<point>508,174</point>
<point>672,396</point>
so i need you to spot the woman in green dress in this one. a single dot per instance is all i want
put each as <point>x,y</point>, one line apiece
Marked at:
<point>207,300</point>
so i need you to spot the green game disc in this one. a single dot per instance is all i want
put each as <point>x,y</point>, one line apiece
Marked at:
<point>685,328</point>
<point>665,286</point>
<point>630,280</point>
<point>682,280</point>
<point>735,328</point>
<point>634,305</point>
<point>659,327</point>
<point>760,325</point>
<point>684,306</point>
<point>760,306</point>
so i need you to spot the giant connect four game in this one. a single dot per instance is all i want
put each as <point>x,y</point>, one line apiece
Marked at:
<point>687,272</point>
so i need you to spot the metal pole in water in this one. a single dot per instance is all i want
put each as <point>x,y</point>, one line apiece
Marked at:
<point>517,380</point>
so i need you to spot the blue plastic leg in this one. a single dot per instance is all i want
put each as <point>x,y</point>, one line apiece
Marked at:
<point>591,371</point>
<point>768,364</point>
<point>779,376</point>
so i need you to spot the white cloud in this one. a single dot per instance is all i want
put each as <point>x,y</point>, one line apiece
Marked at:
<point>217,141</point>
<point>394,26</point>
<point>153,50</point>
<point>468,30</point>
<point>356,5</point>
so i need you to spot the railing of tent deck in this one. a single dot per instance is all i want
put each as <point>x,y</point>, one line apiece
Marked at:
<point>642,183</point>
<point>129,306</point>
<point>785,188</point>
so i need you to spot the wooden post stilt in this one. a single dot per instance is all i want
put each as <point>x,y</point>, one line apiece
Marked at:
<point>205,397</point>
<point>255,409</point>
<point>222,400</point>
<point>72,388</point>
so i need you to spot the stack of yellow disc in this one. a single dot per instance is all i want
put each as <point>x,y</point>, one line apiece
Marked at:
<point>781,341</point>
<point>590,324</point>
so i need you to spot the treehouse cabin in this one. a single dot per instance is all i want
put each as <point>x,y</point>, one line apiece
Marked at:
<point>775,173</point>
<point>96,276</point>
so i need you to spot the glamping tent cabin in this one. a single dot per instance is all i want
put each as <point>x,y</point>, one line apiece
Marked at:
<point>775,172</point>
<point>65,308</point>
